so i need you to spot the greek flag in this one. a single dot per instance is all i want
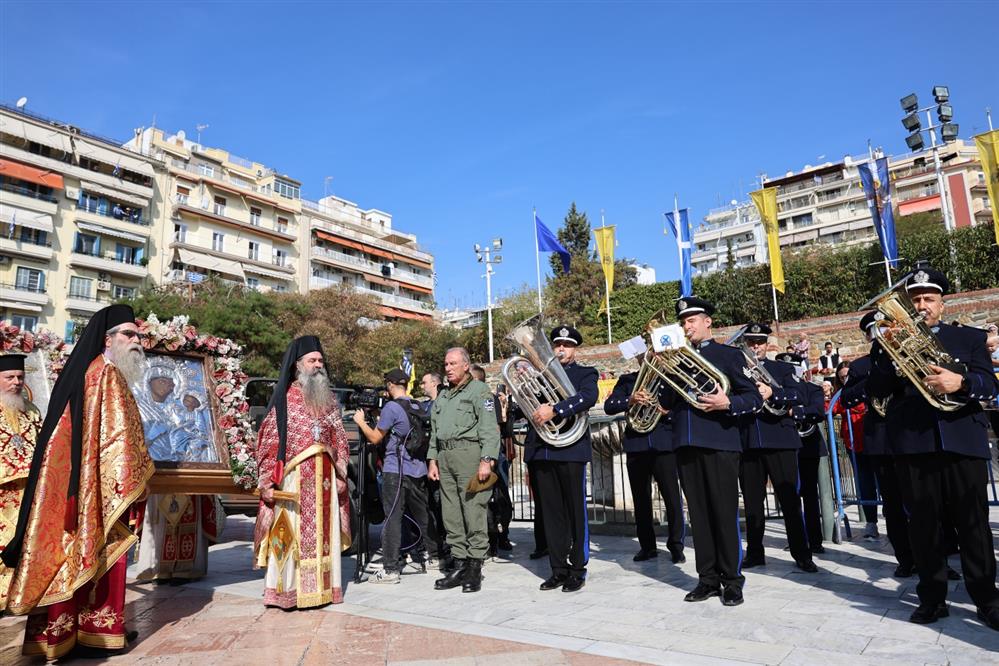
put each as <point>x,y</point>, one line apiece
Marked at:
<point>408,367</point>
<point>679,224</point>
<point>195,278</point>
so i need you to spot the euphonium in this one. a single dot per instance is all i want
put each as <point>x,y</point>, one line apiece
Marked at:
<point>537,378</point>
<point>755,370</point>
<point>689,373</point>
<point>908,340</point>
<point>643,418</point>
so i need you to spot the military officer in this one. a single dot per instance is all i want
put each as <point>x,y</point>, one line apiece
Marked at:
<point>464,443</point>
<point>941,457</point>
<point>650,456</point>
<point>771,450</point>
<point>561,471</point>
<point>708,444</point>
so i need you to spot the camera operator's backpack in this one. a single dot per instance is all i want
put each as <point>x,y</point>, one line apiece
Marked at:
<point>417,442</point>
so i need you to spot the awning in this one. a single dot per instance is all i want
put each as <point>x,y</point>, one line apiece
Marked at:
<point>114,194</point>
<point>834,229</point>
<point>417,288</point>
<point>25,218</point>
<point>108,231</point>
<point>17,305</point>
<point>11,169</point>
<point>211,263</point>
<point>364,247</point>
<point>376,279</point>
<point>47,136</point>
<point>108,156</point>
<point>402,314</point>
<point>257,270</point>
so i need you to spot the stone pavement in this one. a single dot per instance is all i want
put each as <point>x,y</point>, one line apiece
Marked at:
<point>852,612</point>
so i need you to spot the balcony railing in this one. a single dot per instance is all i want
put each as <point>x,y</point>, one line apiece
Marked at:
<point>21,286</point>
<point>373,267</point>
<point>387,299</point>
<point>26,192</point>
<point>135,216</point>
<point>109,257</point>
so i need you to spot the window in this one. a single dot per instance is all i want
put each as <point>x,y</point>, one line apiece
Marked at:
<point>93,203</point>
<point>29,279</point>
<point>206,170</point>
<point>218,241</point>
<point>254,252</point>
<point>87,244</point>
<point>286,190</point>
<point>253,283</point>
<point>219,206</point>
<point>80,287</point>
<point>182,194</point>
<point>34,236</point>
<point>255,217</point>
<point>180,233</point>
<point>122,292</point>
<point>282,225</point>
<point>280,257</point>
<point>280,287</point>
<point>24,322</point>
<point>128,255</point>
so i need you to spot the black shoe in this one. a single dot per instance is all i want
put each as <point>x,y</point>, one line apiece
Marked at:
<point>952,575</point>
<point>504,544</point>
<point>453,578</point>
<point>989,616</point>
<point>732,596</point>
<point>807,566</point>
<point>573,584</point>
<point>472,579</point>
<point>754,561</point>
<point>538,554</point>
<point>644,554</point>
<point>903,571</point>
<point>554,582</point>
<point>818,550</point>
<point>929,613</point>
<point>702,592</point>
<point>677,556</point>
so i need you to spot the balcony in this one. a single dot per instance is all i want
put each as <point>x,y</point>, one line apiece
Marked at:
<point>135,217</point>
<point>402,302</point>
<point>415,251</point>
<point>26,248</point>
<point>108,263</point>
<point>187,207</point>
<point>372,267</point>
<point>23,293</point>
<point>22,197</point>
<point>194,277</point>
<point>69,169</point>
<point>86,304</point>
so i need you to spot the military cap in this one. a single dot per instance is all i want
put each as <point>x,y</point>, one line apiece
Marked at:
<point>566,334</point>
<point>756,331</point>
<point>869,319</point>
<point>693,305</point>
<point>927,278</point>
<point>788,357</point>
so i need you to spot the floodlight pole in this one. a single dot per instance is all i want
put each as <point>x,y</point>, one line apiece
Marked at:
<point>941,184</point>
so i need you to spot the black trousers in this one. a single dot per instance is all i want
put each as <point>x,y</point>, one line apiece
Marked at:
<point>896,522</point>
<point>412,500</point>
<point>808,473</point>
<point>540,542</point>
<point>563,508</point>
<point>937,484</point>
<point>781,465</point>
<point>661,466</point>
<point>710,480</point>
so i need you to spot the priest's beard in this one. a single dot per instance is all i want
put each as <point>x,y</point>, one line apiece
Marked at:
<point>130,358</point>
<point>316,390</point>
<point>14,401</point>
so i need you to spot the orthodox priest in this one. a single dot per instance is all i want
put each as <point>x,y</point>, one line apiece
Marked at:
<point>89,465</point>
<point>303,522</point>
<point>19,423</point>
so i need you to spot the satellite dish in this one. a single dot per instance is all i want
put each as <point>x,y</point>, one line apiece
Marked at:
<point>182,135</point>
<point>21,102</point>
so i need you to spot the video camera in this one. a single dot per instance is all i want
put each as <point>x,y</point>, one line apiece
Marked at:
<point>366,398</point>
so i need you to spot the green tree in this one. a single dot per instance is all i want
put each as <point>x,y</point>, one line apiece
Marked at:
<point>574,235</point>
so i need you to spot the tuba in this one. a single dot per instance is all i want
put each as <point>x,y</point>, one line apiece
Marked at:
<point>681,367</point>
<point>643,418</point>
<point>537,378</point>
<point>755,370</point>
<point>908,340</point>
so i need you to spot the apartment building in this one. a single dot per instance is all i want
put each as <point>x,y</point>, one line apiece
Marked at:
<point>76,220</point>
<point>361,249</point>
<point>825,204</point>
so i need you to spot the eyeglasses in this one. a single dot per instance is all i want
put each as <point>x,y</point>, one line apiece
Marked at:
<point>133,334</point>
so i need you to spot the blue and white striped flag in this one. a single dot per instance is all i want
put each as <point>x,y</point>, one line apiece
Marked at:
<point>407,366</point>
<point>195,278</point>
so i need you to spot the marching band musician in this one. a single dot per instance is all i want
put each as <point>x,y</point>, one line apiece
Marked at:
<point>941,457</point>
<point>561,471</point>
<point>771,449</point>
<point>650,455</point>
<point>877,449</point>
<point>708,445</point>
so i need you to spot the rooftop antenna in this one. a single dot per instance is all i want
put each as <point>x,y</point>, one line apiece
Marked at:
<point>21,102</point>
<point>200,129</point>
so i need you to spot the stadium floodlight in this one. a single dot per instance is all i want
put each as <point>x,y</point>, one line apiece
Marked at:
<point>915,142</point>
<point>941,94</point>
<point>911,122</point>
<point>945,113</point>
<point>910,103</point>
<point>948,132</point>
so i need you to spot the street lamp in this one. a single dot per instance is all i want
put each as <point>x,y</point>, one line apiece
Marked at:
<point>483,256</point>
<point>948,133</point>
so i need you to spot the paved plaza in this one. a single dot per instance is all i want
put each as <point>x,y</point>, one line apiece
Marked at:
<point>853,612</point>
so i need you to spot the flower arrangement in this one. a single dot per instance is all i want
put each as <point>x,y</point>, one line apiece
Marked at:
<point>16,340</point>
<point>177,335</point>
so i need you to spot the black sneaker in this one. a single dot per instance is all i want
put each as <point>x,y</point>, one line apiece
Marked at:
<point>929,613</point>
<point>702,592</point>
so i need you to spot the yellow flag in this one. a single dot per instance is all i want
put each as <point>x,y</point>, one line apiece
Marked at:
<point>605,248</point>
<point>766,203</point>
<point>988,152</point>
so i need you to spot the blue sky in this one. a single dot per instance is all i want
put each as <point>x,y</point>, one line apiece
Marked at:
<point>459,118</point>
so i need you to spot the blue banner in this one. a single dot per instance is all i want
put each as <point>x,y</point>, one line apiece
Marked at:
<point>547,242</point>
<point>878,195</point>
<point>682,236</point>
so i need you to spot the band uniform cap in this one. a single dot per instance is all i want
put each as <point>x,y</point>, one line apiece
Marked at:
<point>12,362</point>
<point>788,357</point>
<point>476,486</point>
<point>757,330</point>
<point>693,305</point>
<point>869,319</point>
<point>928,278</point>
<point>397,376</point>
<point>566,334</point>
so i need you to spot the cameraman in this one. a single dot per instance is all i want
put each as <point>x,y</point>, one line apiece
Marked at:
<point>403,486</point>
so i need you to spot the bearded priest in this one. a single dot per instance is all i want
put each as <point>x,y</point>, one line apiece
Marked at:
<point>90,464</point>
<point>303,522</point>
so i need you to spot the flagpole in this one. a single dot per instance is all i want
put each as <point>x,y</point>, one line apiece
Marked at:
<point>679,239</point>
<point>537,257</point>
<point>606,287</point>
